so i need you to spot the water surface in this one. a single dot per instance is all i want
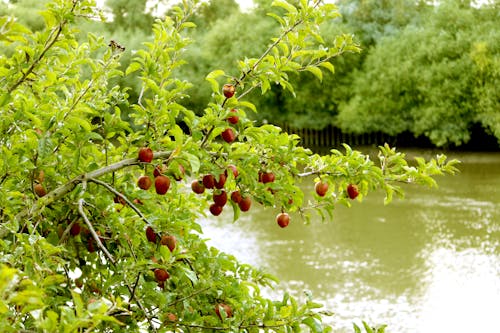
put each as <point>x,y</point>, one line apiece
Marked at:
<point>429,263</point>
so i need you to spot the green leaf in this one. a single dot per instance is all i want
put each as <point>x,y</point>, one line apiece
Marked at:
<point>316,71</point>
<point>285,5</point>
<point>212,78</point>
<point>133,67</point>
<point>249,105</point>
<point>194,162</point>
<point>4,99</point>
<point>314,324</point>
<point>78,303</point>
<point>329,66</point>
<point>285,311</point>
<point>190,275</point>
<point>368,329</point>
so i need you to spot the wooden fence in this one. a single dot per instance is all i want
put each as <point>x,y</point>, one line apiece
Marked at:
<point>332,137</point>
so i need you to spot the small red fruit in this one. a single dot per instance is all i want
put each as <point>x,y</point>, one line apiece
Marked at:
<point>208,181</point>
<point>197,187</point>
<point>352,191</point>
<point>171,317</point>
<point>169,241</point>
<point>179,174</point>
<point>220,183</point>
<point>161,275</point>
<point>245,204</point>
<point>228,90</point>
<point>91,244</point>
<point>233,118</point>
<point>321,188</point>
<point>151,234</point>
<point>220,199</point>
<point>158,171</point>
<point>145,155</point>
<point>39,190</point>
<point>120,200</point>
<point>75,229</point>
<point>228,135</point>
<point>266,177</point>
<point>144,182</point>
<point>41,176</point>
<point>283,219</point>
<point>236,197</point>
<point>162,184</point>
<point>234,169</point>
<point>215,209</point>
<point>226,308</point>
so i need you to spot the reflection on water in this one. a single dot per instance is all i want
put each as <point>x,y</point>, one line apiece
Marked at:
<point>429,263</point>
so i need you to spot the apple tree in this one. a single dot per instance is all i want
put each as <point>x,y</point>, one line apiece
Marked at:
<point>99,209</point>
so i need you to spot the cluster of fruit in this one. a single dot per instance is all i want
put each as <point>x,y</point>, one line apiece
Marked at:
<point>161,274</point>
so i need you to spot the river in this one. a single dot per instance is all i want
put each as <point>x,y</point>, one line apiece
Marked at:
<point>429,263</point>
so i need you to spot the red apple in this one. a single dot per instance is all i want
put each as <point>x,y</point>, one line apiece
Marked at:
<point>151,234</point>
<point>171,317</point>
<point>234,169</point>
<point>208,181</point>
<point>161,275</point>
<point>144,182</point>
<point>226,308</point>
<point>266,177</point>
<point>220,198</point>
<point>236,197</point>
<point>228,90</point>
<point>75,229</point>
<point>169,241</point>
<point>245,204</point>
<point>197,187</point>
<point>233,118</point>
<point>162,184</point>
<point>180,173</point>
<point>159,170</point>
<point>39,190</point>
<point>321,188</point>
<point>352,191</point>
<point>219,184</point>
<point>145,155</point>
<point>228,135</point>
<point>215,209</point>
<point>283,219</point>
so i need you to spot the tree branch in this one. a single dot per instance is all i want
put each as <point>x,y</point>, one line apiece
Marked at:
<point>64,189</point>
<point>112,260</point>
<point>115,192</point>
<point>93,232</point>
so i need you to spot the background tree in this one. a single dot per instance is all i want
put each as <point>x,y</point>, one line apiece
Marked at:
<point>98,218</point>
<point>425,79</point>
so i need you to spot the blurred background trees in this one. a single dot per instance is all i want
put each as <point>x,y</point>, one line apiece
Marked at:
<point>428,70</point>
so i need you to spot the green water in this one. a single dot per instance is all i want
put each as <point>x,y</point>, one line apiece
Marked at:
<point>428,263</point>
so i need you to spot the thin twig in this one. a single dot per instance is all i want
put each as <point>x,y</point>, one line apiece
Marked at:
<point>93,232</point>
<point>111,259</point>
<point>115,192</point>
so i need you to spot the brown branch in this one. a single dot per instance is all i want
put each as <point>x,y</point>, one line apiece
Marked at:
<point>48,45</point>
<point>93,232</point>
<point>115,192</point>
<point>64,189</point>
<point>111,259</point>
<point>188,296</point>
